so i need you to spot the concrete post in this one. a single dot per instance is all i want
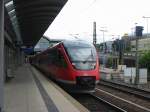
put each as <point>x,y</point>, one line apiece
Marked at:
<point>137,62</point>
<point>23,57</point>
<point>14,58</point>
<point>11,64</point>
<point>16,61</point>
<point>18,57</point>
<point>6,62</point>
<point>1,55</point>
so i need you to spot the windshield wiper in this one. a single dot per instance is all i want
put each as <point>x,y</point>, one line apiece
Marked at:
<point>87,59</point>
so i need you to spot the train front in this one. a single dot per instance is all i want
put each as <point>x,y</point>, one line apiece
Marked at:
<point>84,66</point>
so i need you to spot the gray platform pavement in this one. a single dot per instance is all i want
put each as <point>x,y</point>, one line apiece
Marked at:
<point>30,91</point>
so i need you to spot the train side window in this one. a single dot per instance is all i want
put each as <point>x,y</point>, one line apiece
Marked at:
<point>51,57</point>
<point>61,60</point>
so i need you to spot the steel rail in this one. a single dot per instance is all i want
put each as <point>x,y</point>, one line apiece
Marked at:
<point>126,101</point>
<point>131,90</point>
<point>118,109</point>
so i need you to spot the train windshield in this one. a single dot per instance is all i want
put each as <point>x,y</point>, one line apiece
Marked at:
<point>82,58</point>
<point>82,55</point>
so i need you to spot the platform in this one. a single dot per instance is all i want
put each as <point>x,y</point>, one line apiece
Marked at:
<point>30,91</point>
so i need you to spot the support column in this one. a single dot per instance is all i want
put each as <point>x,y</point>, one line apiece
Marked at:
<point>18,57</point>
<point>1,55</point>
<point>11,65</point>
<point>15,58</point>
<point>22,58</point>
<point>6,62</point>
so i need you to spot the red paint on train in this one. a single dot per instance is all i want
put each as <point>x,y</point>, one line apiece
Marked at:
<point>74,64</point>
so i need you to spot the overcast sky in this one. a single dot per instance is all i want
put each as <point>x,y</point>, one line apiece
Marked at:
<point>117,16</point>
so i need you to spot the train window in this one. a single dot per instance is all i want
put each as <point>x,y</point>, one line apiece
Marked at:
<point>82,58</point>
<point>61,60</point>
<point>56,58</point>
<point>82,54</point>
<point>51,57</point>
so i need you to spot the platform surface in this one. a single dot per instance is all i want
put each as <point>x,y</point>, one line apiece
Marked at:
<point>30,91</point>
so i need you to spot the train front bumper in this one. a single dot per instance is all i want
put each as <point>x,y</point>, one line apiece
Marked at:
<point>83,84</point>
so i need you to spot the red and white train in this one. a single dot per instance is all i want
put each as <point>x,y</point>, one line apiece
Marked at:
<point>73,64</point>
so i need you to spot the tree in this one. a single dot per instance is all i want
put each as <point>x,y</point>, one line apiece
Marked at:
<point>145,61</point>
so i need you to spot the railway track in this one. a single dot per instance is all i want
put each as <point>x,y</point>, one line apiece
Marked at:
<point>96,104</point>
<point>140,93</point>
<point>115,108</point>
<point>122,103</point>
<point>128,98</point>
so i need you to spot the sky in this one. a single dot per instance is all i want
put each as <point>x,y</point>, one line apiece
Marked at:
<point>116,17</point>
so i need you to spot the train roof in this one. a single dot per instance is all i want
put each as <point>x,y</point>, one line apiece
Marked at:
<point>70,43</point>
<point>76,43</point>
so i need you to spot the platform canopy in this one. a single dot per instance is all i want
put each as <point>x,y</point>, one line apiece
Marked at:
<point>30,18</point>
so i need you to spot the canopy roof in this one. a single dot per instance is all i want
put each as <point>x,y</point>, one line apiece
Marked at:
<point>31,18</point>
